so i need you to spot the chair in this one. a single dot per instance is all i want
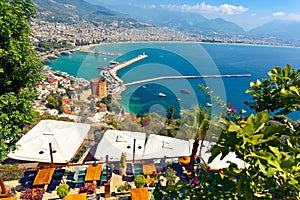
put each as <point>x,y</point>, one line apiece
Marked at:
<point>137,168</point>
<point>79,175</point>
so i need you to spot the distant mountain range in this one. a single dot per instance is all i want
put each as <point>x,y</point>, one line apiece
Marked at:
<point>190,22</point>
<point>72,10</point>
<point>278,30</point>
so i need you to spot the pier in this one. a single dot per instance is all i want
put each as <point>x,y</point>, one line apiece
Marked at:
<point>110,74</point>
<point>113,72</point>
<point>186,77</point>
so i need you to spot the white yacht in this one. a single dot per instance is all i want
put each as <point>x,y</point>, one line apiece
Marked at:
<point>161,94</point>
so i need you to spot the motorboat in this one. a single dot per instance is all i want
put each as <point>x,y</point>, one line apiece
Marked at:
<point>185,91</point>
<point>161,94</point>
<point>208,104</point>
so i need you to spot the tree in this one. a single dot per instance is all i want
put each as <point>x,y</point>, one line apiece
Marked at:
<point>202,126</point>
<point>20,69</point>
<point>278,93</point>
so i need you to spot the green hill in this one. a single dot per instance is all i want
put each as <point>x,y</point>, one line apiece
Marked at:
<point>72,11</point>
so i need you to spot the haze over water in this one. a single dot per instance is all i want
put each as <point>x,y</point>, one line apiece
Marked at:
<point>168,59</point>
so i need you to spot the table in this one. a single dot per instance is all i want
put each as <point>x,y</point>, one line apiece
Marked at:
<point>139,193</point>
<point>81,196</point>
<point>93,173</point>
<point>149,168</point>
<point>44,176</point>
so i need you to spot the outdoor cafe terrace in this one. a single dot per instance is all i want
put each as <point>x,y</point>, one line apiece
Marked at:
<point>100,165</point>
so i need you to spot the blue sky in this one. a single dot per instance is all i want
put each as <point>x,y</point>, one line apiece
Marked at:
<point>246,13</point>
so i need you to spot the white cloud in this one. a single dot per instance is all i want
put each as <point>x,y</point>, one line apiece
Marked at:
<point>286,16</point>
<point>226,9</point>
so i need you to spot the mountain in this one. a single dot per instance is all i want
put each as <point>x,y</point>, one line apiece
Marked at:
<point>73,10</point>
<point>287,30</point>
<point>184,21</point>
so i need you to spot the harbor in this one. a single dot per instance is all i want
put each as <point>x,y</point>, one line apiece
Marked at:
<point>117,86</point>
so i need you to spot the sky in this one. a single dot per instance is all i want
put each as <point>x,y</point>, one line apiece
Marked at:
<point>246,13</point>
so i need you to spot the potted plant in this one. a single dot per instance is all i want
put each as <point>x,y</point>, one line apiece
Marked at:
<point>37,194</point>
<point>123,164</point>
<point>124,188</point>
<point>90,189</point>
<point>63,190</point>
<point>150,182</point>
<point>139,181</point>
<point>170,175</point>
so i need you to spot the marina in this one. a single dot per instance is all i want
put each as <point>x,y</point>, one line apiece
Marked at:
<point>118,86</point>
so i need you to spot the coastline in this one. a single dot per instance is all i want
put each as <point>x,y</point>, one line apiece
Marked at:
<point>88,48</point>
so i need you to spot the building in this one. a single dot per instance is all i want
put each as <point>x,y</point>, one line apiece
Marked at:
<point>98,87</point>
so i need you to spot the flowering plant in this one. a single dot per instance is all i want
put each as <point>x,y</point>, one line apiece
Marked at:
<point>88,188</point>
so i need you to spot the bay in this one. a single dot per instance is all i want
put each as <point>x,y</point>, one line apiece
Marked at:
<point>177,59</point>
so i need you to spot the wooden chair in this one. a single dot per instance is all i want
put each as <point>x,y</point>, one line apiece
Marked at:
<point>4,192</point>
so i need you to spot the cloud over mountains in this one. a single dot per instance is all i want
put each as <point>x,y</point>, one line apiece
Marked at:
<point>226,9</point>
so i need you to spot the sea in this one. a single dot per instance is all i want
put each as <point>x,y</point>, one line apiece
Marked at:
<point>182,59</point>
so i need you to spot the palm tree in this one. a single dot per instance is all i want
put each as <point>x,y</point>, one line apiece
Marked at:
<point>197,121</point>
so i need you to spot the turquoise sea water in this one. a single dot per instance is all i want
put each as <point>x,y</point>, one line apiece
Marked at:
<point>165,59</point>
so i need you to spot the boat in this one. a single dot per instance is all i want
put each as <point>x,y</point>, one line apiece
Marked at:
<point>185,91</point>
<point>65,53</point>
<point>161,94</point>
<point>144,86</point>
<point>52,56</point>
<point>178,99</point>
<point>112,62</point>
<point>101,67</point>
<point>243,111</point>
<point>208,104</point>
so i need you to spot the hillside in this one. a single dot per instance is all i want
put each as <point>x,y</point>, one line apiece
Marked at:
<point>71,11</point>
<point>278,30</point>
<point>190,22</point>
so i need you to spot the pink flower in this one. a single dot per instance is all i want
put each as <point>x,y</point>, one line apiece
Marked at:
<point>195,181</point>
<point>211,92</point>
<point>243,117</point>
<point>229,104</point>
<point>233,110</point>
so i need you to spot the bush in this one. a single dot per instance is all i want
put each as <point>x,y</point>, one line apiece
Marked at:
<point>125,187</point>
<point>12,175</point>
<point>28,194</point>
<point>139,181</point>
<point>89,189</point>
<point>63,190</point>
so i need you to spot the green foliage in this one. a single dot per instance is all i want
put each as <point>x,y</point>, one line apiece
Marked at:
<point>63,190</point>
<point>278,93</point>
<point>203,185</point>
<point>270,153</point>
<point>12,175</point>
<point>20,70</point>
<point>170,175</point>
<point>125,187</point>
<point>268,146</point>
<point>110,120</point>
<point>123,160</point>
<point>139,181</point>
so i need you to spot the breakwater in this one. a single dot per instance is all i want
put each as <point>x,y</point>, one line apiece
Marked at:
<point>116,85</point>
<point>186,77</point>
<point>113,71</point>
